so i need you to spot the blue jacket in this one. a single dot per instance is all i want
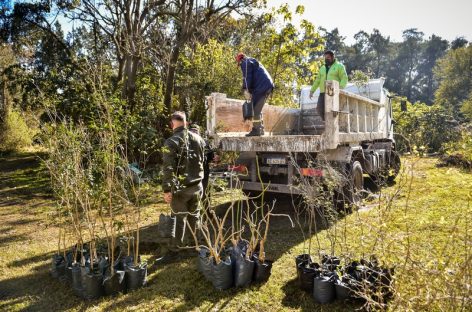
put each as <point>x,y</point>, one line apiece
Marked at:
<point>256,79</point>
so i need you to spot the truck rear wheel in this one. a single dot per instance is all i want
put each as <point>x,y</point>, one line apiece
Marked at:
<point>352,192</point>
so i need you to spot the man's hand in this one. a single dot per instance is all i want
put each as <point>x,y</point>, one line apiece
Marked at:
<point>247,95</point>
<point>216,158</point>
<point>168,197</point>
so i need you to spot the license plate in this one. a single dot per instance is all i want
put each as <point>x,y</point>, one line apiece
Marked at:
<point>276,161</point>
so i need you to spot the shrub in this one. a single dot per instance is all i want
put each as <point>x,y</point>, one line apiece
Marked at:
<point>423,128</point>
<point>15,132</point>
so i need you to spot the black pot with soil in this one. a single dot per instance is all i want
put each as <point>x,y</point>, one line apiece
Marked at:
<point>308,271</point>
<point>115,283</point>
<point>136,276</point>
<point>262,270</point>
<point>324,289</point>
<point>304,259</point>
<point>204,263</point>
<point>92,284</point>
<point>58,266</point>
<point>222,274</point>
<point>243,270</point>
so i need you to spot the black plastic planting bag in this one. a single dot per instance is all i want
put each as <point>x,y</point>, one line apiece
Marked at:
<point>344,290</point>
<point>136,277</point>
<point>305,259</point>
<point>92,287</point>
<point>58,267</point>
<point>204,264</point>
<point>262,270</point>
<point>324,290</point>
<point>330,262</point>
<point>307,273</point>
<point>77,280</point>
<point>243,271</point>
<point>222,274</point>
<point>114,284</point>
<point>166,226</point>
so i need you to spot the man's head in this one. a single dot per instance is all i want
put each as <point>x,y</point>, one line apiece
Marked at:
<point>329,57</point>
<point>194,128</point>
<point>178,119</point>
<point>239,57</point>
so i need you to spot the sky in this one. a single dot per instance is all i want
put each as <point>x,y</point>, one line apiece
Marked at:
<point>447,19</point>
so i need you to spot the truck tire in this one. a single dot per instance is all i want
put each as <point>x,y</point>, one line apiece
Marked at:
<point>393,166</point>
<point>352,192</point>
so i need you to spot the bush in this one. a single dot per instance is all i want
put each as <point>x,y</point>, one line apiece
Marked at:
<point>459,153</point>
<point>423,128</point>
<point>16,134</point>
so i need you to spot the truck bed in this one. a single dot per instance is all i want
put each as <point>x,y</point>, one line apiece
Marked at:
<point>349,119</point>
<point>238,142</point>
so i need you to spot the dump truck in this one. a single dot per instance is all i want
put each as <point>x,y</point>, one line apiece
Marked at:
<point>356,139</point>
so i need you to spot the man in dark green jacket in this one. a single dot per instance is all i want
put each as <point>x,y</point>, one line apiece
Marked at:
<point>183,158</point>
<point>331,70</point>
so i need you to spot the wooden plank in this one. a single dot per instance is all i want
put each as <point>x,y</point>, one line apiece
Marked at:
<point>227,115</point>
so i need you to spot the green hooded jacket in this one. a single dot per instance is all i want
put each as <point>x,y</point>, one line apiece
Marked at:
<point>336,72</point>
<point>183,157</point>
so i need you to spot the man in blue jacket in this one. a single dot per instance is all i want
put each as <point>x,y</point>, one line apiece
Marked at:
<point>257,86</point>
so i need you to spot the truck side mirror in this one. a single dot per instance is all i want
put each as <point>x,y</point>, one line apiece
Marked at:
<point>403,106</point>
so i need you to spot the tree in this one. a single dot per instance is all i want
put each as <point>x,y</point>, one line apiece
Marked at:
<point>434,49</point>
<point>455,81</point>
<point>379,47</point>
<point>334,41</point>
<point>190,18</point>
<point>459,42</point>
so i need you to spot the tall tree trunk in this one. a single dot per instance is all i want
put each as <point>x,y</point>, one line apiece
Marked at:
<point>169,87</point>
<point>130,68</point>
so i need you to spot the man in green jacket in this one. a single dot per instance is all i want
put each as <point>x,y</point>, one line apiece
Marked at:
<point>331,70</point>
<point>183,158</point>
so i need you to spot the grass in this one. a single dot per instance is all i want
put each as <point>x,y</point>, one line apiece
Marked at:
<point>421,225</point>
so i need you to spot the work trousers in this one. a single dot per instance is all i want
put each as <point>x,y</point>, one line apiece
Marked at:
<point>258,101</point>
<point>185,206</point>
<point>320,106</point>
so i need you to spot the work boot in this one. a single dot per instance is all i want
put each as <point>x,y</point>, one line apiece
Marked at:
<point>257,129</point>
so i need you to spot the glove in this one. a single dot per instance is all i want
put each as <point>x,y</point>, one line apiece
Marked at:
<point>247,95</point>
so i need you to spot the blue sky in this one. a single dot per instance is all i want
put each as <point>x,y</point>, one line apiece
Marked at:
<point>448,19</point>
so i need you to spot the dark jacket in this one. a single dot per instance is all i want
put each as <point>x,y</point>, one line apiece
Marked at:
<point>183,158</point>
<point>256,79</point>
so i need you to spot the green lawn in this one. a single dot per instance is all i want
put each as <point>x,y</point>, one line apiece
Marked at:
<point>421,224</point>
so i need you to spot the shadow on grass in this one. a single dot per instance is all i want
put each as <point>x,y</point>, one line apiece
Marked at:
<point>23,178</point>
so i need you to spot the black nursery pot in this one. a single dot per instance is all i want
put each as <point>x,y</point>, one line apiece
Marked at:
<point>77,280</point>
<point>204,263</point>
<point>136,277</point>
<point>222,274</point>
<point>58,266</point>
<point>243,271</point>
<point>303,258</point>
<point>343,290</point>
<point>262,270</point>
<point>307,273</point>
<point>114,284</point>
<point>324,289</point>
<point>92,287</point>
